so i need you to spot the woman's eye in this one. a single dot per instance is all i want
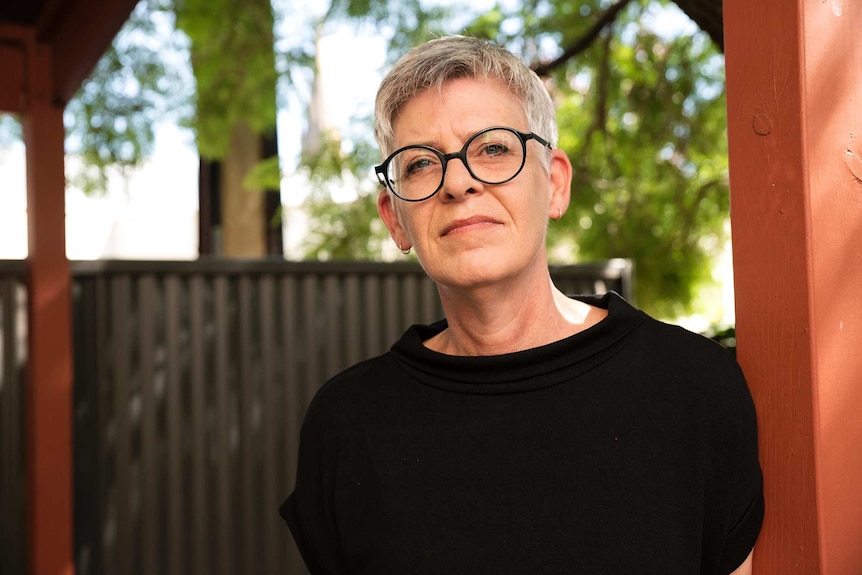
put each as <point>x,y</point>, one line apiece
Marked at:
<point>417,165</point>
<point>495,149</point>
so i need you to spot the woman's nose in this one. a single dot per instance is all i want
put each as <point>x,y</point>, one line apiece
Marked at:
<point>458,183</point>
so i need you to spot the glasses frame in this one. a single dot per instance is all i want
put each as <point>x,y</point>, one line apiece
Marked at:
<point>461,154</point>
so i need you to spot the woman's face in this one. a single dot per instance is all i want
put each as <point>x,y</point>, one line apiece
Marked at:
<point>472,234</point>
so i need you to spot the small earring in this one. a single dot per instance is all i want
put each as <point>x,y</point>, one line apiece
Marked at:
<point>403,251</point>
<point>559,213</point>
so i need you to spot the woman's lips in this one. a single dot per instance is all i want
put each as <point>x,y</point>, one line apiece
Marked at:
<point>468,224</point>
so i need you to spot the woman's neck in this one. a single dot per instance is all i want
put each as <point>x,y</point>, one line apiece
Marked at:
<point>506,319</point>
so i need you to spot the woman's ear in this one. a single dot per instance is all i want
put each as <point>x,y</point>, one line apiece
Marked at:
<point>560,170</point>
<point>389,215</point>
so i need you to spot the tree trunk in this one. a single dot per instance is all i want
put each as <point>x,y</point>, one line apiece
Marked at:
<point>242,209</point>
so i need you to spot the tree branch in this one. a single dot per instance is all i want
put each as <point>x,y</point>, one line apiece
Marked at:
<point>582,43</point>
<point>707,14</point>
<point>603,85</point>
<point>689,212</point>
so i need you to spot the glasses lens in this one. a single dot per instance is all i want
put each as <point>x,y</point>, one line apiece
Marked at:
<point>495,156</point>
<point>415,173</point>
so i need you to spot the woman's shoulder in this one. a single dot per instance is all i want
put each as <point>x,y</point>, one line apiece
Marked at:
<point>688,347</point>
<point>351,392</point>
<point>695,366</point>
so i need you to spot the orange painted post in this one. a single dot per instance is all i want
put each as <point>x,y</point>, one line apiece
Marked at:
<point>49,367</point>
<point>794,91</point>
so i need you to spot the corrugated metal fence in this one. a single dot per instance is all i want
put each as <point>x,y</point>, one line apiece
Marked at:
<point>191,379</point>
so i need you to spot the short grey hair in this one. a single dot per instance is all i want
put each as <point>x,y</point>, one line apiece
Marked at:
<point>454,57</point>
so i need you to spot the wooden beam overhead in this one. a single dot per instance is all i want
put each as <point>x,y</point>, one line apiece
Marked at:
<point>79,32</point>
<point>14,85</point>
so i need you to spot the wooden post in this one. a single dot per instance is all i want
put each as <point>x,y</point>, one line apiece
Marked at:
<point>794,91</point>
<point>49,364</point>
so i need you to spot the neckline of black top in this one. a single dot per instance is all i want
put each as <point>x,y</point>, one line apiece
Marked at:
<point>520,371</point>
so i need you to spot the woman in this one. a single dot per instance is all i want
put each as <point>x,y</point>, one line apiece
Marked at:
<point>529,432</point>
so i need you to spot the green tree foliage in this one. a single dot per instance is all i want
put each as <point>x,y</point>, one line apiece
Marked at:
<point>348,230</point>
<point>405,22</point>
<point>233,58</point>
<point>643,119</point>
<point>110,122</point>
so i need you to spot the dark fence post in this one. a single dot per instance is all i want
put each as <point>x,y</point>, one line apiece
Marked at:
<point>13,352</point>
<point>88,313</point>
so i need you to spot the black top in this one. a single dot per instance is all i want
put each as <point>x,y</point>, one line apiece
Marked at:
<point>630,447</point>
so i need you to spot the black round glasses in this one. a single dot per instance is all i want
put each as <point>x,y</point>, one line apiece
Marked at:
<point>493,156</point>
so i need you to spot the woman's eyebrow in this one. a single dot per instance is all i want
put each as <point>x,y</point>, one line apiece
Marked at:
<point>462,135</point>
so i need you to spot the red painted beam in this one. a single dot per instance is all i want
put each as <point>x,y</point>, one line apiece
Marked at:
<point>79,31</point>
<point>12,65</point>
<point>794,91</point>
<point>49,394</point>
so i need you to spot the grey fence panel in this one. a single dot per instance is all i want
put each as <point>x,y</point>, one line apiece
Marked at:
<point>121,384</point>
<point>177,524</point>
<point>271,449</point>
<point>191,382</point>
<point>93,409</point>
<point>292,406</point>
<point>13,333</point>
<point>599,277</point>
<point>148,313</point>
<point>225,513</point>
<point>200,453</point>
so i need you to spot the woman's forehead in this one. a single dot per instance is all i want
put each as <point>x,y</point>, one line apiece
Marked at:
<point>459,108</point>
